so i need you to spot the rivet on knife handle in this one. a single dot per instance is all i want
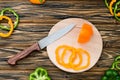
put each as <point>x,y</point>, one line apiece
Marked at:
<point>23,54</point>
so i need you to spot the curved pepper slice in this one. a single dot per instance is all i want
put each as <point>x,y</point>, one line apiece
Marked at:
<point>106,3</point>
<point>63,55</point>
<point>15,22</point>
<point>88,60</point>
<point>72,60</point>
<point>37,1</point>
<point>11,26</point>
<point>74,55</point>
<point>111,8</point>
<point>58,57</point>
<point>39,74</point>
<point>115,11</point>
<point>116,63</point>
<point>117,58</point>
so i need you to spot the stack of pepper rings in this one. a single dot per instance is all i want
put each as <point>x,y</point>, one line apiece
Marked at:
<point>12,26</point>
<point>112,73</point>
<point>113,8</point>
<point>74,55</point>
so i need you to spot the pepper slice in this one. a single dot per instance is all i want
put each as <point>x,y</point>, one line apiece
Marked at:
<point>72,57</point>
<point>111,74</point>
<point>72,50</point>
<point>11,26</point>
<point>15,22</point>
<point>58,57</point>
<point>117,58</point>
<point>85,34</point>
<point>39,74</point>
<point>37,1</point>
<point>115,11</point>
<point>111,8</point>
<point>106,3</point>
<point>88,60</point>
<point>61,52</point>
<point>72,60</point>
<point>116,63</point>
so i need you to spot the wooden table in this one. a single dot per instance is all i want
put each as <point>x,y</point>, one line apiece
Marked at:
<point>35,23</point>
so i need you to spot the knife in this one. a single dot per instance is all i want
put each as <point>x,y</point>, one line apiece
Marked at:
<point>41,44</point>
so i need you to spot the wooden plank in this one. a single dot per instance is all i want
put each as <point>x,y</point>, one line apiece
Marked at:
<point>35,23</point>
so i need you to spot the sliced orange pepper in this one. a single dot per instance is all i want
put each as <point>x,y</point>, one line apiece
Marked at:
<point>72,50</point>
<point>11,26</point>
<point>111,4</point>
<point>72,58</point>
<point>88,60</point>
<point>58,57</point>
<point>37,1</point>
<point>111,9</point>
<point>85,33</point>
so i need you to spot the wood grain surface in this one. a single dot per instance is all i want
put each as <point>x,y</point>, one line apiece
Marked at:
<point>35,23</point>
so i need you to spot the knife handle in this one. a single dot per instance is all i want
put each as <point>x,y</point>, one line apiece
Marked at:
<point>23,54</point>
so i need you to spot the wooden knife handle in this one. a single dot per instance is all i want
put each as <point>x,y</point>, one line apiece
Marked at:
<point>23,54</point>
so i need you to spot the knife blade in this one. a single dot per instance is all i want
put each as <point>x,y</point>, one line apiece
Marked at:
<point>41,44</point>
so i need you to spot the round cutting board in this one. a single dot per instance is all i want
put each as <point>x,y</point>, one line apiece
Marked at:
<point>94,46</point>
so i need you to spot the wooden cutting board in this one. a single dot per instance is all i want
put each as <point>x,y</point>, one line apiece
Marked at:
<point>94,46</point>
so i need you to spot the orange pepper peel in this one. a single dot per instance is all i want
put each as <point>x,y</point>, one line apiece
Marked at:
<point>37,1</point>
<point>85,34</point>
<point>11,26</point>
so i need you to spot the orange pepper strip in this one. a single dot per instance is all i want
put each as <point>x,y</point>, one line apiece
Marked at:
<point>72,60</point>
<point>72,56</point>
<point>58,57</point>
<point>88,60</point>
<point>74,53</point>
<point>11,25</point>
<point>110,8</point>
<point>57,54</point>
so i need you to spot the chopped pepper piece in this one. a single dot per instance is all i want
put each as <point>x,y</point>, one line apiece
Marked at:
<point>116,63</point>
<point>112,5</point>
<point>106,3</point>
<point>111,74</point>
<point>85,34</point>
<point>15,22</point>
<point>39,74</point>
<point>11,26</point>
<point>110,8</point>
<point>37,1</point>
<point>115,11</point>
